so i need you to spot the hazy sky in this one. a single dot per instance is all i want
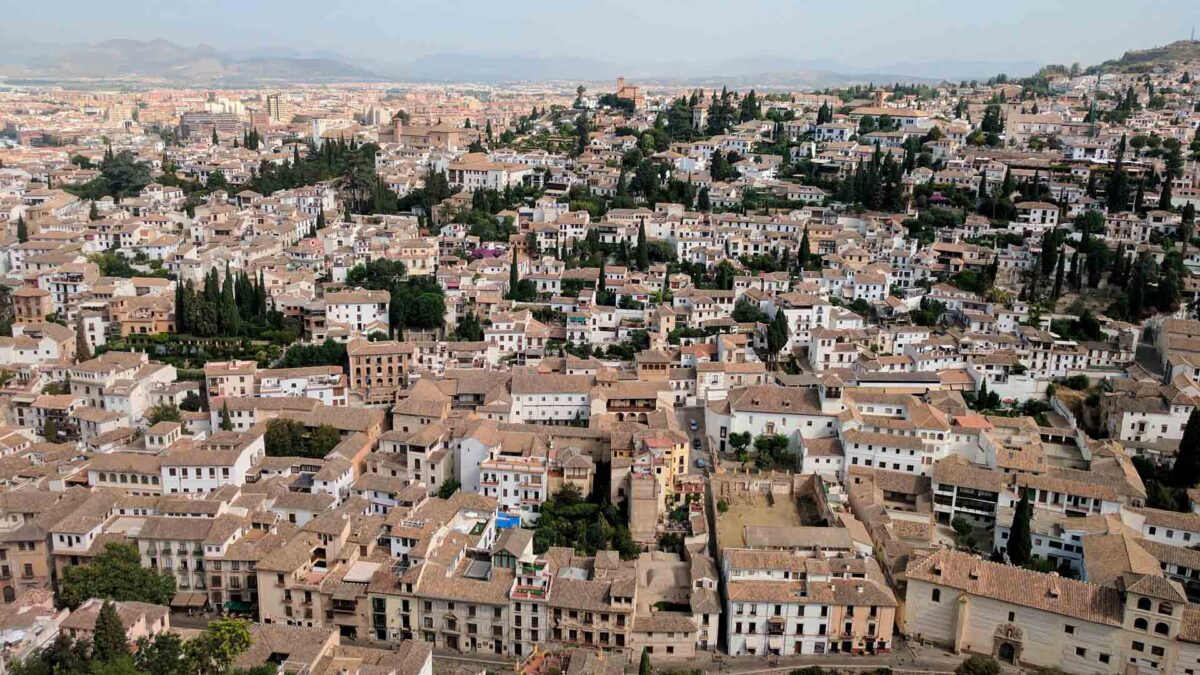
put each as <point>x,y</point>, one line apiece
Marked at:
<point>858,33</point>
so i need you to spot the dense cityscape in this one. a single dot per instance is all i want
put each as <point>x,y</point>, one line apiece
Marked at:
<point>565,377</point>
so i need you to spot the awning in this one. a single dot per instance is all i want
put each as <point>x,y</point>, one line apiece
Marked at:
<point>239,607</point>
<point>186,600</point>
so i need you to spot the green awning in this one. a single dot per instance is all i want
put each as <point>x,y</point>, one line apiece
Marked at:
<point>239,607</point>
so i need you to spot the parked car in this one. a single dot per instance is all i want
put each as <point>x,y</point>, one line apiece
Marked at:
<point>696,443</point>
<point>700,464</point>
<point>693,425</point>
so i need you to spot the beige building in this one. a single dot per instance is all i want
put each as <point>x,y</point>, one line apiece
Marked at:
<point>1142,623</point>
<point>378,369</point>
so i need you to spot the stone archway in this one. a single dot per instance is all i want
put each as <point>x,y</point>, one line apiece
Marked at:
<point>1007,643</point>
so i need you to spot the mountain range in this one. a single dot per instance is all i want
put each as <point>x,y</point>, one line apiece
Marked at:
<point>176,64</point>
<point>123,60</point>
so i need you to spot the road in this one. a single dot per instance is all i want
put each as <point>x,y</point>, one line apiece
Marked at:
<point>686,417</point>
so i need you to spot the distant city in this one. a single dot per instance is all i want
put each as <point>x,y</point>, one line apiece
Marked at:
<point>523,365</point>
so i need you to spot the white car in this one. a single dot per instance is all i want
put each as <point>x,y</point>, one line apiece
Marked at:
<point>693,425</point>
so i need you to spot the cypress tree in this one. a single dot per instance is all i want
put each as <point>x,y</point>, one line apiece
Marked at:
<point>643,251</point>
<point>1058,277</point>
<point>644,665</point>
<point>108,636</point>
<point>1164,200</point>
<point>226,420</point>
<point>22,230</point>
<point>180,307</point>
<point>804,257</point>
<point>260,293</point>
<point>1186,471</point>
<point>1136,291</point>
<point>1020,543</point>
<point>601,297</point>
<point>513,279</point>
<point>777,335</point>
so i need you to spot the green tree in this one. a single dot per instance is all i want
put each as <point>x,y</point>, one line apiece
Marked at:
<point>116,573</point>
<point>804,256</point>
<point>108,638</point>
<point>1059,272</point>
<point>214,650</point>
<point>323,439</point>
<point>166,412</point>
<point>448,488</point>
<point>644,664</point>
<point>1020,543</point>
<point>513,277</point>
<point>1186,471</point>
<point>22,230</point>
<point>740,441</point>
<point>643,252</point>
<point>469,329</point>
<point>746,311</point>
<point>162,654</point>
<point>226,419</point>
<point>50,431</point>
<point>63,656</point>
<point>777,335</point>
<point>376,275</point>
<point>284,438</point>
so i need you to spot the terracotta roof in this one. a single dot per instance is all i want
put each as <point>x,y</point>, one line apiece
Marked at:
<point>1017,586</point>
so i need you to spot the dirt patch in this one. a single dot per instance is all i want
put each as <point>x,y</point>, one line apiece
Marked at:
<point>781,511</point>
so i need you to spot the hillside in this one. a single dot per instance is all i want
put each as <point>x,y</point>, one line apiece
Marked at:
<point>1136,60</point>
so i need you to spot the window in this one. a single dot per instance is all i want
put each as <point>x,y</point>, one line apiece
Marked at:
<point>1161,628</point>
<point>937,595</point>
<point>1104,658</point>
<point>1141,624</point>
<point>1080,651</point>
<point>1144,603</point>
<point>1069,629</point>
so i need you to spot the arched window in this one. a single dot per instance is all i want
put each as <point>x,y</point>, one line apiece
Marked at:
<point>1161,628</point>
<point>1165,608</point>
<point>1140,624</point>
<point>1144,604</point>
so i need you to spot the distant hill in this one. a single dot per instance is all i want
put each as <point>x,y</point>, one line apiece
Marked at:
<point>1135,60</point>
<point>162,59</point>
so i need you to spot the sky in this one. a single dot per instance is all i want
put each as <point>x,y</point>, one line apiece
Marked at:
<point>857,33</point>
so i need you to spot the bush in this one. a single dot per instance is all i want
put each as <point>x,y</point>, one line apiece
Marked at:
<point>447,489</point>
<point>722,505</point>
<point>961,526</point>
<point>978,665</point>
<point>1077,382</point>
